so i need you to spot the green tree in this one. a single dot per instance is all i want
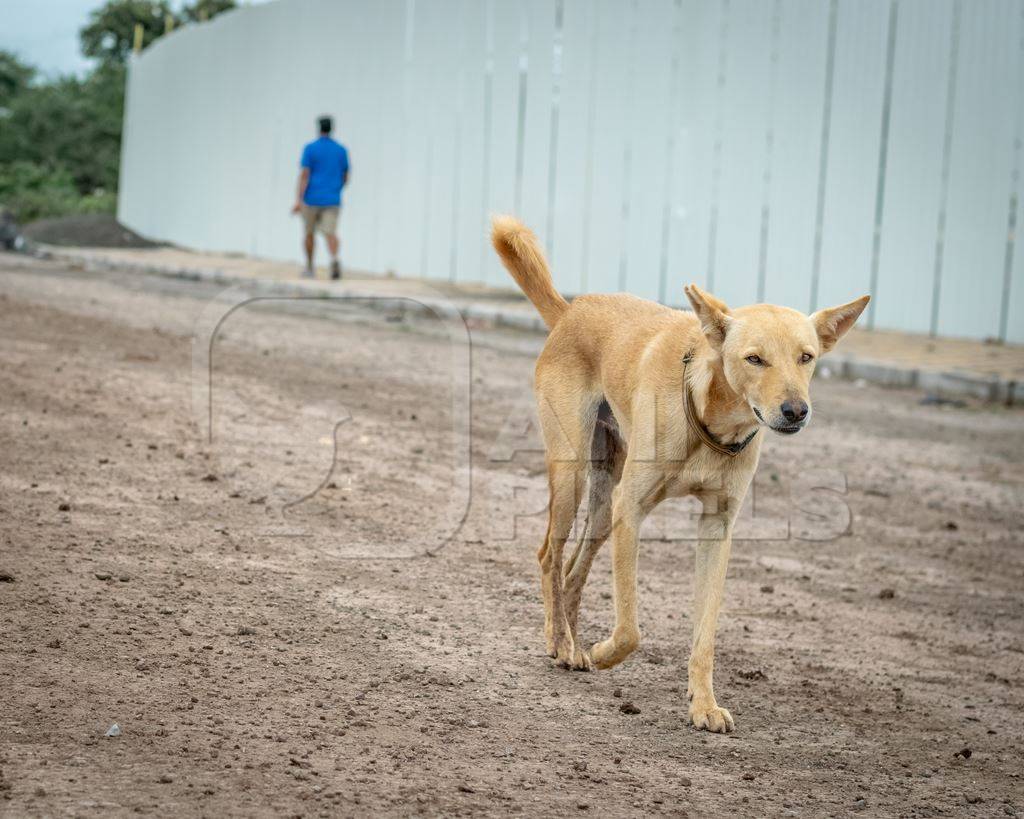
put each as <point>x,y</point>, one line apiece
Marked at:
<point>33,191</point>
<point>70,122</point>
<point>60,141</point>
<point>206,9</point>
<point>15,77</point>
<point>110,33</point>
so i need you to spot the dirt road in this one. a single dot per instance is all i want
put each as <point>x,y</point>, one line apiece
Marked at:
<point>277,636</point>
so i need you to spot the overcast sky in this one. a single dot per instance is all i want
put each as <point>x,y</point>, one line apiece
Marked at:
<point>45,32</point>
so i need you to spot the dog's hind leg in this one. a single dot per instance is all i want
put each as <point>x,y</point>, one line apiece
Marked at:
<point>567,421</point>
<point>607,454</point>
<point>566,486</point>
<point>595,533</point>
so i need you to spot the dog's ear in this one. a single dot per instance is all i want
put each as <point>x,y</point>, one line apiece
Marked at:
<point>831,323</point>
<point>713,314</point>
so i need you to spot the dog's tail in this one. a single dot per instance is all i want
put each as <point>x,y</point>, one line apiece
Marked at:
<point>521,254</point>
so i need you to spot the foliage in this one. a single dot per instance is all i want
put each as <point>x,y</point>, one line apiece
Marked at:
<point>60,140</point>
<point>14,77</point>
<point>110,33</point>
<point>71,123</point>
<point>206,9</point>
<point>33,191</point>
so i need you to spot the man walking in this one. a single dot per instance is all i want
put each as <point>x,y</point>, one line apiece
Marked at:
<point>324,173</point>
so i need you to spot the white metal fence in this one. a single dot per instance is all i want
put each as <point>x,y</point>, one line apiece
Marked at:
<point>795,151</point>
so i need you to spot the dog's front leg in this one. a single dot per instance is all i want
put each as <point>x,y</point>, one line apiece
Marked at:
<point>637,493</point>
<point>714,534</point>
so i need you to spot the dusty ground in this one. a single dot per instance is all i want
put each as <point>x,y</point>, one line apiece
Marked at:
<point>263,658</point>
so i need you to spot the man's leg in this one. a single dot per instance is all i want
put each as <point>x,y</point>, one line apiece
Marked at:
<point>309,218</point>
<point>332,246</point>
<point>310,246</point>
<point>329,225</point>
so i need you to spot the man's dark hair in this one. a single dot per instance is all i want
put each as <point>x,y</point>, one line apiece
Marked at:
<point>326,124</point>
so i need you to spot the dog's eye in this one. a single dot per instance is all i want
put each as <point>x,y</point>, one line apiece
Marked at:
<point>805,358</point>
<point>754,359</point>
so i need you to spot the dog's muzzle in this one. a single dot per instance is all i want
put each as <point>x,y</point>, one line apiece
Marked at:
<point>783,428</point>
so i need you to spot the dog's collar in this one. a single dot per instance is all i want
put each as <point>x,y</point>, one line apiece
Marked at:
<point>701,431</point>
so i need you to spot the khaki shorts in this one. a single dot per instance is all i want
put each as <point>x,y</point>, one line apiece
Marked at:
<point>324,220</point>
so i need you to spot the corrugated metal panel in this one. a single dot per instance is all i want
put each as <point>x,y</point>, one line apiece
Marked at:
<point>799,101</point>
<point>469,207</point>
<point>646,183</point>
<point>538,93</point>
<point>615,25</point>
<point>980,172</point>
<point>741,143</point>
<point>736,207</point>
<point>705,34</point>
<point>914,170</point>
<point>574,151</point>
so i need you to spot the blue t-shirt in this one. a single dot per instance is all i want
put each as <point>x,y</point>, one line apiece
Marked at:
<point>327,161</point>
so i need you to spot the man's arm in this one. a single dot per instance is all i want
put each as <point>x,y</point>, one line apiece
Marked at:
<point>301,192</point>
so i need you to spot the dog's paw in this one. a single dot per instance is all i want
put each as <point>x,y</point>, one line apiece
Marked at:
<point>549,641</point>
<point>712,718</point>
<point>581,661</point>
<point>574,659</point>
<point>614,650</point>
<point>602,654</point>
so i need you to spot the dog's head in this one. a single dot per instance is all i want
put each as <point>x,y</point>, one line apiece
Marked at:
<point>768,353</point>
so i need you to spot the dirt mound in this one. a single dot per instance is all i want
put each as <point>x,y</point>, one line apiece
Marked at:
<point>92,230</point>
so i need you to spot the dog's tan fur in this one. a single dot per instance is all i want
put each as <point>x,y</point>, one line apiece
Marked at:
<point>628,352</point>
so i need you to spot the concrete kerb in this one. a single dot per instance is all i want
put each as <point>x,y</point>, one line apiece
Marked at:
<point>945,384</point>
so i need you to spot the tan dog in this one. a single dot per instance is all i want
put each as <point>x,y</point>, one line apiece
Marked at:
<point>614,407</point>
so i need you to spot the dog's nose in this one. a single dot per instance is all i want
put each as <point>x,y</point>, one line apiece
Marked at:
<point>794,411</point>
